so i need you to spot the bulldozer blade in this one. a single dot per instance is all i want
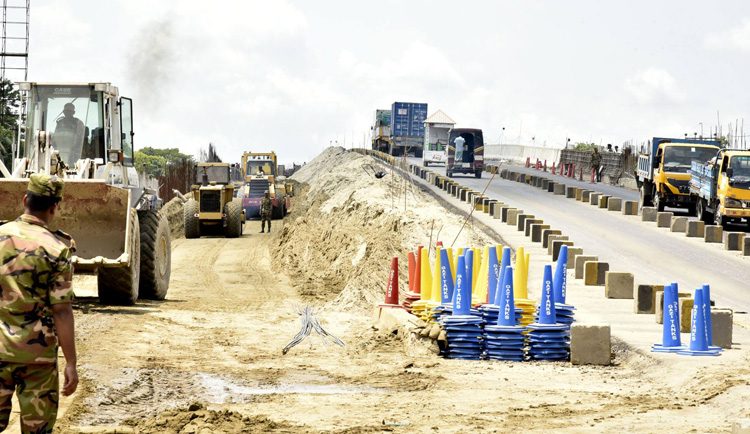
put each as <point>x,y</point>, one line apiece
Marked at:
<point>95,214</point>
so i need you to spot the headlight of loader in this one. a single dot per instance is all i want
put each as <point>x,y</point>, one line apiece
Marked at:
<point>732,203</point>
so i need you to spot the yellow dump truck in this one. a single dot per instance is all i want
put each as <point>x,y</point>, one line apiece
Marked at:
<point>212,207</point>
<point>721,187</point>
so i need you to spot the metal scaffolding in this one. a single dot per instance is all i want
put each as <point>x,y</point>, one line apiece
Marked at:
<point>14,42</point>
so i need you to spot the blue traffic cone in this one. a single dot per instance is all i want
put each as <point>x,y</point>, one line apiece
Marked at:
<point>670,341</point>
<point>547,313</point>
<point>561,275</point>
<point>463,330</point>
<point>548,339</point>
<point>469,267</point>
<point>446,277</point>
<point>504,340</point>
<point>504,264</point>
<point>698,334</point>
<point>462,300</point>
<point>707,310</point>
<point>493,272</point>
<point>507,315</point>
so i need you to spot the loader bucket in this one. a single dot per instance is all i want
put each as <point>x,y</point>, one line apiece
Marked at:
<point>95,214</point>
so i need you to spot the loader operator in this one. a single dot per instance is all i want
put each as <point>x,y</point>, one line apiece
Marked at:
<point>70,133</point>
<point>35,309</point>
<point>265,212</point>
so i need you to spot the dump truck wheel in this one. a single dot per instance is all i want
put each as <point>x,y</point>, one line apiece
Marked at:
<point>234,220</point>
<point>156,255</point>
<point>120,285</point>
<point>192,223</point>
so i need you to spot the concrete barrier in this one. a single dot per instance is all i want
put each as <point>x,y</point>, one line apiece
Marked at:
<point>513,216</point>
<point>733,240</point>
<point>679,224</point>
<point>496,209</point>
<point>528,223</point>
<point>504,213</point>
<point>713,234</point>
<point>573,252</point>
<point>551,187</point>
<point>557,245</point>
<point>594,198</point>
<point>551,239</point>
<point>521,221</point>
<point>746,246</point>
<point>536,232</point>
<point>546,233</point>
<point>614,204</point>
<point>618,285</point>
<point>630,207</point>
<point>579,194</point>
<point>463,193</point>
<point>603,201</point>
<point>545,183</point>
<point>659,306</point>
<point>590,344</point>
<point>570,192</point>
<point>721,321</point>
<point>663,219</point>
<point>586,196</point>
<point>695,228</point>
<point>580,261</point>
<point>486,204</point>
<point>594,273</point>
<point>559,189</point>
<point>644,298</point>
<point>648,214</point>
<point>686,310</point>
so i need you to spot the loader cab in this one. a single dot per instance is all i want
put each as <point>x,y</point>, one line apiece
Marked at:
<point>79,121</point>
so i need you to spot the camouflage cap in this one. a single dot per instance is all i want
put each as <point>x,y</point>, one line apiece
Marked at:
<point>42,184</point>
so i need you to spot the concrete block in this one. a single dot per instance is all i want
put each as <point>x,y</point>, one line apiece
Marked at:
<point>630,207</point>
<point>746,246</point>
<point>686,308</point>
<point>695,228</point>
<point>528,223</point>
<point>733,240</point>
<point>573,252</point>
<point>570,192</point>
<point>559,189</point>
<point>586,196</point>
<point>659,304</point>
<point>580,261</point>
<point>644,298</point>
<point>522,178</point>
<point>603,201</point>
<point>712,234</point>
<point>546,233</point>
<point>618,285</point>
<point>648,214</point>
<point>552,238</point>
<point>551,187</point>
<point>579,193</point>
<point>557,245</point>
<point>495,207</point>
<point>536,232</point>
<point>590,344</point>
<point>679,224</point>
<point>463,193</point>
<point>594,198</point>
<point>614,204</point>
<point>545,183</point>
<point>513,216</point>
<point>486,204</point>
<point>663,219</point>
<point>594,273</point>
<point>521,221</point>
<point>721,322</point>
<point>504,213</point>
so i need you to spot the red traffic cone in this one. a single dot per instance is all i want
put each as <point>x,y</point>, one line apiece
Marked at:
<point>418,272</point>
<point>391,291</point>
<point>545,165</point>
<point>528,161</point>
<point>553,167</point>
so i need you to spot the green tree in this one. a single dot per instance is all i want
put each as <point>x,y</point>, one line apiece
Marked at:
<point>171,155</point>
<point>583,146</point>
<point>151,165</point>
<point>10,100</point>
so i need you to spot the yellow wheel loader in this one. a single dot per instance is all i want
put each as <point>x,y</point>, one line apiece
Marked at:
<point>212,207</point>
<point>84,134</point>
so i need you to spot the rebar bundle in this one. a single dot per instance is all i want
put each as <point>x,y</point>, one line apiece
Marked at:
<point>310,323</point>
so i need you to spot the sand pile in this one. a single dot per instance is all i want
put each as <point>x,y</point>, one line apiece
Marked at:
<point>174,213</point>
<point>347,225</point>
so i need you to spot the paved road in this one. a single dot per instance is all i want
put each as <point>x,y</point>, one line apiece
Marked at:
<point>653,255</point>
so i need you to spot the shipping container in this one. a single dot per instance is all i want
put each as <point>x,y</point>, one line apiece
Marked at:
<point>407,128</point>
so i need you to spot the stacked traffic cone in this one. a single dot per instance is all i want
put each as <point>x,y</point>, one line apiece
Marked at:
<point>504,340</point>
<point>548,339</point>
<point>481,289</point>
<point>709,321</point>
<point>421,308</point>
<point>463,330</point>
<point>391,291</point>
<point>563,311</point>
<point>553,168</point>
<point>670,342</point>
<point>413,294</point>
<point>699,343</point>
<point>520,290</point>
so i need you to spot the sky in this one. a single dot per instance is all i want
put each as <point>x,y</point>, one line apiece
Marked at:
<point>296,76</point>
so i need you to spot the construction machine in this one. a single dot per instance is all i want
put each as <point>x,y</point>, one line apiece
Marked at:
<point>84,134</point>
<point>260,172</point>
<point>213,208</point>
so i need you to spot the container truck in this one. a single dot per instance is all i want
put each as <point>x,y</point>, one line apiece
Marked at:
<point>465,152</point>
<point>381,131</point>
<point>721,187</point>
<point>407,128</point>
<point>663,172</point>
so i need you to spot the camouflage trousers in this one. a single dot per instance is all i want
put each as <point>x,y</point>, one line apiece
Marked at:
<point>37,389</point>
<point>263,219</point>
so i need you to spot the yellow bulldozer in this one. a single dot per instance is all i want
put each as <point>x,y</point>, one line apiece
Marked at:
<point>84,134</point>
<point>212,207</point>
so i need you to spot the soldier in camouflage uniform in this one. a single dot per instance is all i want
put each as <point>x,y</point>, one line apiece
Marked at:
<point>35,309</point>
<point>266,206</point>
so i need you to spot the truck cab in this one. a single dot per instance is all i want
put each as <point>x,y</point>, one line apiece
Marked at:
<point>465,152</point>
<point>722,187</point>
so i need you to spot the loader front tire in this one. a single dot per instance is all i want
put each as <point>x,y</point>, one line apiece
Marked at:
<point>156,255</point>
<point>119,285</point>
<point>192,223</point>
<point>233,212</point>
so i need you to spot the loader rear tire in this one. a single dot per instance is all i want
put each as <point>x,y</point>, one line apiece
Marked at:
<point>233,212</point>
<point>192,223</point>
<point>120,285</point>
<point>156,255</point>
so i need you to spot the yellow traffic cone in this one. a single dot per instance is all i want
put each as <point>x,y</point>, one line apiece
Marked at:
<point>479,295</point>
<point>436,293</point>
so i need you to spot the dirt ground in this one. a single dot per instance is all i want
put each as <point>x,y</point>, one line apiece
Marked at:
<point>209,360</point>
